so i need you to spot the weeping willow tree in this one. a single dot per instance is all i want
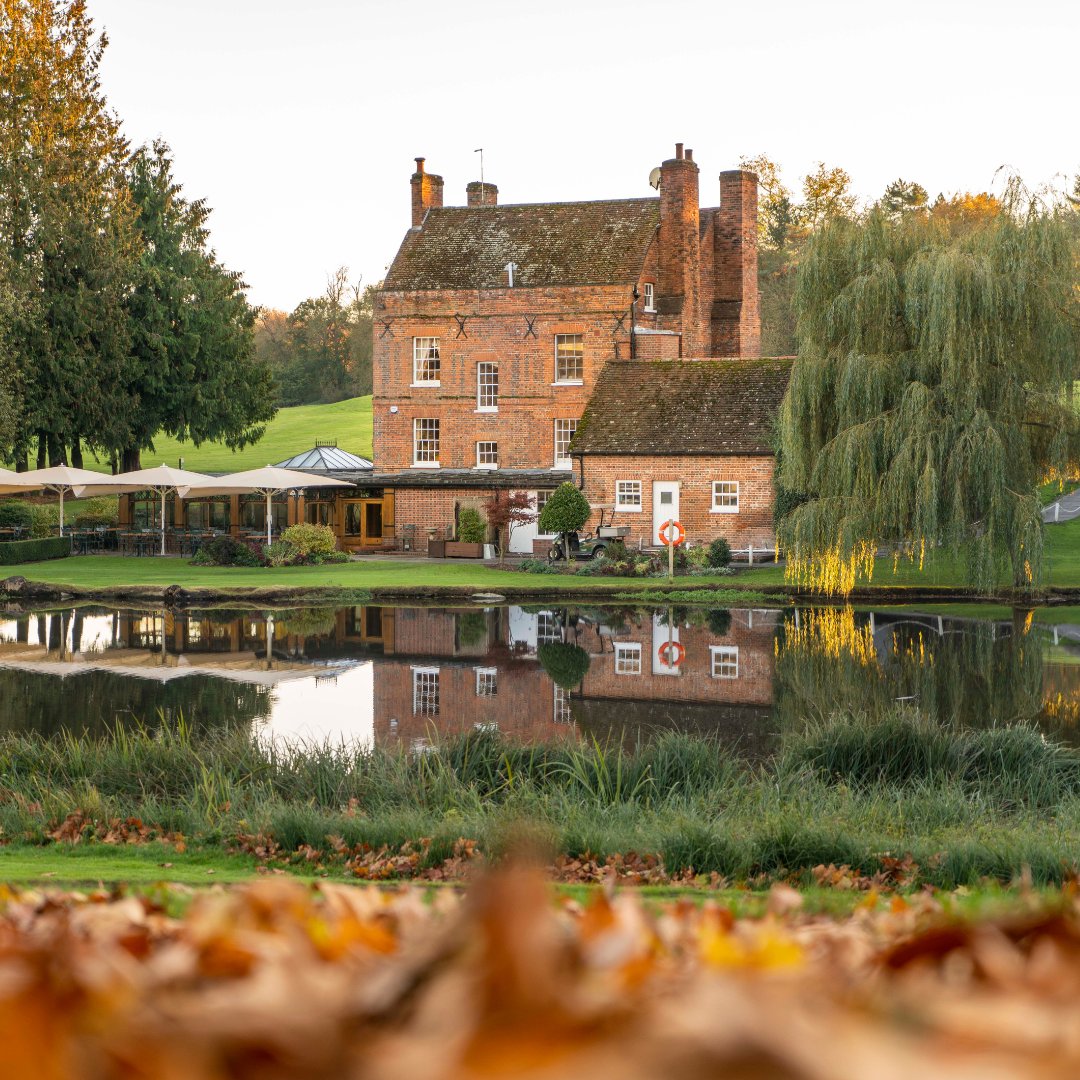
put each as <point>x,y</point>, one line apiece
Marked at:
<point>932,392</point>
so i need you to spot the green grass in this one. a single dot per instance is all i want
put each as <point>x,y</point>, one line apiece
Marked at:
<point>967,805</point>
<point>106,571</point>
<point>290,432</point>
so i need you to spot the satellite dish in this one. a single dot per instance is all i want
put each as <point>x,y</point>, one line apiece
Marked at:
<point>654,178</point>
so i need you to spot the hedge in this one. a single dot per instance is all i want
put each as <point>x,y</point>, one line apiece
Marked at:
<point>20,551</point>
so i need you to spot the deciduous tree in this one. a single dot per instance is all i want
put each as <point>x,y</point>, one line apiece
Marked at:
<point>932,390</point>
<point>66,225</point>
<point>508,510</point>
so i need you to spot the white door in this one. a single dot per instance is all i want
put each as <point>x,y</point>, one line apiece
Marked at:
<point>665,647</point>
<point>665,505</point>
<point>521,539</point>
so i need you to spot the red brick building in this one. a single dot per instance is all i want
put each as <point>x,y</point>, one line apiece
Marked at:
<point>495,323</point>
<point>689,441</point>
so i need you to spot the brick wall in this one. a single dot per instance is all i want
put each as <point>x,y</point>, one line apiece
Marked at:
<point>495,330</point>
<point>752,633</point>
<point>753,524</point>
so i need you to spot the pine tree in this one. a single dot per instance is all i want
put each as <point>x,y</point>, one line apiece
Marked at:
<point>193,373</point>
<point>932,392</point>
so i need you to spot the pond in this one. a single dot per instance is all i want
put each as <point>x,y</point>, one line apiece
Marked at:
<point>405,675</point>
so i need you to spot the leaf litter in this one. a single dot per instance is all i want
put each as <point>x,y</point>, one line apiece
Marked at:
<point>277,978</point>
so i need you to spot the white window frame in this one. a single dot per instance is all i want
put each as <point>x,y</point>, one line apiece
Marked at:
<point>627,657</point>
<point>480,463</point>
<point>731,491</point>
<point>425,681</point>
<point>424,457</point>
<point>650,297</point>
<point>487,682</point>
<point>486,400</point>
<point>579,358</point>
<point>560,705</point>
<point>548,628</point>
<point>422,354</point>
<point>564,462</point>
<point>627,488</point>
<point>542,496</point>
<point>724,661</point>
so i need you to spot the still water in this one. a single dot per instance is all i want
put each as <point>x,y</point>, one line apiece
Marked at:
<point>405,675</point>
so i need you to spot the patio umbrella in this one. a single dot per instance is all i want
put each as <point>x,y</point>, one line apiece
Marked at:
<point>12,482</point>
<point>61,479</point>
<point>161,479</point>
<point>269,481</point>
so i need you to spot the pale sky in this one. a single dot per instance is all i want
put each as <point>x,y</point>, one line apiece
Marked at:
<point>298,122</point>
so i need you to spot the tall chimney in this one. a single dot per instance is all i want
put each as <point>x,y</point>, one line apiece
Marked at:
<point>736,311</point>
<point>427,192</point>
<point>481,193</point>
<point>679,270</point>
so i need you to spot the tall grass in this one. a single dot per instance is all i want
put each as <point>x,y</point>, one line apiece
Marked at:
<point>964,803</point>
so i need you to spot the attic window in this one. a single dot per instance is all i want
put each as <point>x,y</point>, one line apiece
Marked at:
<point>650,296</point>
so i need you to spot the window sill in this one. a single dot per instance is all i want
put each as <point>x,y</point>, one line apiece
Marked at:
<point>486,468</point>
<point>426,465</point>
<point>627,510</point>
<point>418,385</point>
<point>489,409</point>
<point>568,467</point>
<point>724,510</point>
<point>568,382</point>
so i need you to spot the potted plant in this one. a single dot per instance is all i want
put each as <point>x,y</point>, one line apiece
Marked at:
<point>470,536</point>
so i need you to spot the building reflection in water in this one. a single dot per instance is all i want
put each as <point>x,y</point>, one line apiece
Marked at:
<point>406,676</point>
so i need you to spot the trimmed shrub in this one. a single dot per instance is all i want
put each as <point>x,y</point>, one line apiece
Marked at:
<point>537,566</point>
<point>566,511</point>
<point>282,553</point>
<point>311,540</point>
<point>566,664</point>
<point>16,515</point>
<point>227,551</point>
<point>719,553</point>
<point>470,526</point>
<point>24,551</point>
<point>102,512</point>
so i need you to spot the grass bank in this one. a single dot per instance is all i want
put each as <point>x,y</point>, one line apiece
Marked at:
<point>104,573</point>
<point>964,805</point>
<point>292,431</point>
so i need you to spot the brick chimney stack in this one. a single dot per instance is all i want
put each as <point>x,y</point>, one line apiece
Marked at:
<point>736,311</point>
<point>679,270</point>
<point>481,193</point>
<point>427,191</point>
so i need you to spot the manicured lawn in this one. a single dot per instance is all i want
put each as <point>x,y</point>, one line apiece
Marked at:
<point>290,432</point>
<point>106,571</point>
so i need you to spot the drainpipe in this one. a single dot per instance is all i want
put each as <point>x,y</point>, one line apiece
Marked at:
<point>633,320</point>
<point>581,472</point>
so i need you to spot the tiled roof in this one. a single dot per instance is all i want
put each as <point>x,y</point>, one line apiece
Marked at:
<point>584,243</point>
<point>323,459</point>
<point>683,407</point>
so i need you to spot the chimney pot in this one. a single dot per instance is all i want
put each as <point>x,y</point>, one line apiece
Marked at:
<point>689,155</point>
<point>678,151</point>
<point>419,164</point>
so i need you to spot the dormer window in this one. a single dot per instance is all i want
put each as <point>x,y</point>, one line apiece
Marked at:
<point>650,296</point>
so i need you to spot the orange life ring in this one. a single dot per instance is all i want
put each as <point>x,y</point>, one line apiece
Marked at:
<point>680,534</point>
<point>667,647</point>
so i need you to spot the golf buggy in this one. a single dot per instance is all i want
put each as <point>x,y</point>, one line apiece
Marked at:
<point>593,544</point>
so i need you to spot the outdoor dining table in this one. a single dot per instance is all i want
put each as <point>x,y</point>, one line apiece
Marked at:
<point>137,543</point>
